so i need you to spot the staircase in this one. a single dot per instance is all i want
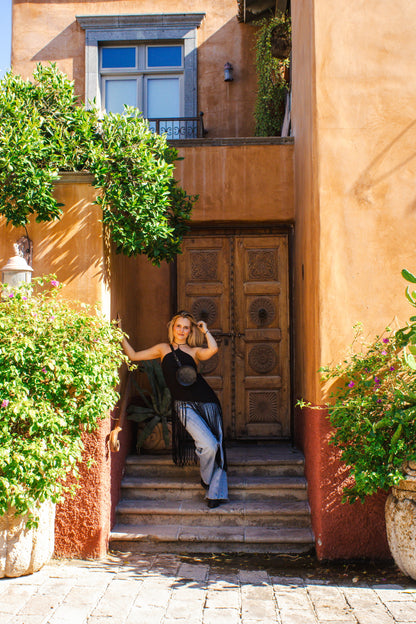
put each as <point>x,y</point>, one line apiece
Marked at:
<point>162,506</point>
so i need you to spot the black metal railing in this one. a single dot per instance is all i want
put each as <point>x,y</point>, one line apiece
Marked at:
<point>179,127</point>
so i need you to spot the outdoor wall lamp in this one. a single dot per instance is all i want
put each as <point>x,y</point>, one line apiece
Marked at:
<point>228,72</point>
<point>17,270</point>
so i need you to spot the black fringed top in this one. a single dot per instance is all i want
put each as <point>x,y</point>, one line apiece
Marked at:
<point>199,391</point>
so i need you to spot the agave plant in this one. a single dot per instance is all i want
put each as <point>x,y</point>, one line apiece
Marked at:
<point>157,408</point>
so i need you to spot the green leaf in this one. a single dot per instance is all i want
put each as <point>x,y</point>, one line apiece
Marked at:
<point>409,277</point>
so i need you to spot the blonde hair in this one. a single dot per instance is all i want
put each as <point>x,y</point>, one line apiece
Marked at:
<point>195,337</point>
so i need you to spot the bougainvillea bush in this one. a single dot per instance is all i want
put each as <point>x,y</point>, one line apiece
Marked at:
<point>372,406</point>
<point>58,373</point>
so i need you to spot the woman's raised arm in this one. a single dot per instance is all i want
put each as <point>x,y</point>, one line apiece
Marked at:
<point>211,348</point>
<point>152,353</point>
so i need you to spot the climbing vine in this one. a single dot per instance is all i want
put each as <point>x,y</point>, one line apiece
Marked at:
<point>45,130</point>
<point>273,38</point>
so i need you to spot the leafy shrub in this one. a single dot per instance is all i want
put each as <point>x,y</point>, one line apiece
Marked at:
<point>58,373</point>
<point>373,407</point>
<point>272,86</point>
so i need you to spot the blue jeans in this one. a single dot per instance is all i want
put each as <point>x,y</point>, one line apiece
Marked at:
<point>206,448</point>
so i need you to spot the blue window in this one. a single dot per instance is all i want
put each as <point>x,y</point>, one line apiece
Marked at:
<point>164,56</point>
<point>118,57</point>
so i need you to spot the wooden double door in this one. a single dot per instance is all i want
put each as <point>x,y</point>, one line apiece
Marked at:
<point>238,284</point>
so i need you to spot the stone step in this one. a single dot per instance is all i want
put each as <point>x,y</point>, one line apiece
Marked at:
<point>266,513</point>
<point>163,506</point>
<point>201,538</point>
<point>240,488</point>
<point>247,462</point>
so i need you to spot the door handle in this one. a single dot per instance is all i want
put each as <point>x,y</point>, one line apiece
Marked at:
<point>240,334</point>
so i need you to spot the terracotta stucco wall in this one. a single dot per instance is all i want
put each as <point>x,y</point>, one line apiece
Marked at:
<point>244,183</point>
<point>366,136</point>
<point>306,198</point>
<point>354,95</point>
<point>73,249</point>
<point>46,30</point>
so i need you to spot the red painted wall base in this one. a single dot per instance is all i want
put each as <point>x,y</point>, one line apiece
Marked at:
<point>342,530</point>
<point>82,523</point>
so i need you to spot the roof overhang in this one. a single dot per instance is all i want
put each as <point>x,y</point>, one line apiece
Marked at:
<point>249,10</point>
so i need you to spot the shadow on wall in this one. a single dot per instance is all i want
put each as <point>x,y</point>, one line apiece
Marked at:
<point>71,247</point>
<point>387,163</point>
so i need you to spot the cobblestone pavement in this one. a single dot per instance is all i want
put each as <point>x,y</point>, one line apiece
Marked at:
<point>174,589</point>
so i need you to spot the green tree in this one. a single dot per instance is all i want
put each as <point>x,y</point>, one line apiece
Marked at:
<point>44,130</point>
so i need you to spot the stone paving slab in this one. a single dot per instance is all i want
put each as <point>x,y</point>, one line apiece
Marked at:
<point>174,589</point>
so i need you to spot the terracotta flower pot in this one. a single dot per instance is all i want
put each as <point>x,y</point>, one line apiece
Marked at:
<point>23,550</point>
<point>401,522</point>
<point>155,441</point>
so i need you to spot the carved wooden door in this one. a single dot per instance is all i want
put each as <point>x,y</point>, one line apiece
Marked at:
<point>238,284</point>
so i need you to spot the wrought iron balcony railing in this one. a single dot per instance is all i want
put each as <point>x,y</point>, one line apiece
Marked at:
<point>179,127</point>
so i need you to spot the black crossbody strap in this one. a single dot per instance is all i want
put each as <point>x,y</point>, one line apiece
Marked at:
<point>178,362</point>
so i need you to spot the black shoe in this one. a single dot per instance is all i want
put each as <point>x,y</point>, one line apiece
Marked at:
<point>204,485</point>
<point>213,502</point>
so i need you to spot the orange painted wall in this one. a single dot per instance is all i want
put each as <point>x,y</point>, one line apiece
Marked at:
<point>306,200</point>
<point>46,30</point>
<point>73,249</point>
<point>245,183</point>
<point>355,219</point>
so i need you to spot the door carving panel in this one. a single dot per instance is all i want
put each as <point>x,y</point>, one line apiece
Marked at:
<point>238,284</point>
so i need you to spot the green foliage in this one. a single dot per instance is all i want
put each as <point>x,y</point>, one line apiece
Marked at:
<point>272,86</point>
<point>58,372</point>
<point>373,407</point>
<point>157,406</point>
<point>45,130</point>
<point>142,205</point>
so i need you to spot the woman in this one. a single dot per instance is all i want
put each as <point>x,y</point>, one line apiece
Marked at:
<point>196,408</point>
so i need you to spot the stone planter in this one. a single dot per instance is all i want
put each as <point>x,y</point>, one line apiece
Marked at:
<point>22,550</point>
<point>401,522</point>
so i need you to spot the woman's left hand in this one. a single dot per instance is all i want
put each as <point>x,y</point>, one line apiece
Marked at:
<point>202,326</point>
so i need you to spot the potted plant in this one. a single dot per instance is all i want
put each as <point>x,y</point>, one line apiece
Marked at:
<point>372,408</point>
<point>153,411</point>
<point>58,373</point>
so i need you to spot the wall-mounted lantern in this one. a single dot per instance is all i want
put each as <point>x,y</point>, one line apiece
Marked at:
<point>16,271</point>
<point>228,72</point>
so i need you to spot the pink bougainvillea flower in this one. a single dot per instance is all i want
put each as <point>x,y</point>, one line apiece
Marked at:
<point>386,340</point>
<point>377,381</point>
<point>391,368</point>
<point>351,384</point>
<point>11,295</point>
<point>378,400</point>
<point>24,298</point>
<point>384,353</point>
<point>54,283</point>
<point>43,370</point>
<point>5,402</point>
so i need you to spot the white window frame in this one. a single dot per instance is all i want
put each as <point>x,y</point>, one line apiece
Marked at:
<point>101,30</point>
